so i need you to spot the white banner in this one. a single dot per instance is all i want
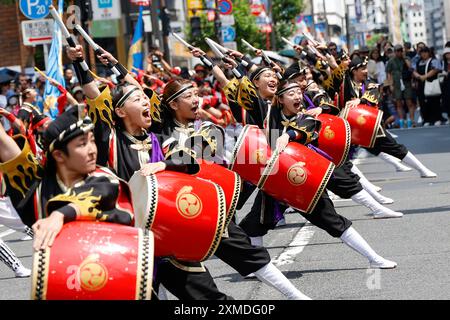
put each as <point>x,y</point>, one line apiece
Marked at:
<point>106,9</point>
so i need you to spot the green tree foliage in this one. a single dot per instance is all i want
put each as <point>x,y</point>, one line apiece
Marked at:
<point>245,25</point>
<point>284,13</point>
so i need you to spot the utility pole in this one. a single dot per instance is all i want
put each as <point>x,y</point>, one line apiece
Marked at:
<point>165,17</point>
<point>311,3</point>
<point>273,33</point>
<point>217,23</point>
<point>327,26</point>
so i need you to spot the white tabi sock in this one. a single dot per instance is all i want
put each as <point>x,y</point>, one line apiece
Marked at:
<point>354,240</point>
<point>270,275</point>
<point>363,179</point>
<point>413,162</point>
<point>397,163</point>
<point>378,210</point>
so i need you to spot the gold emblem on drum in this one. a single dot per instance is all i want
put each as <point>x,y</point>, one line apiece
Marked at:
<point>328,133</point>
<point>92,274</point>
<point>259,157</point>
<point>188,203</point>
<point>361,120</point>
<point>297,175</point>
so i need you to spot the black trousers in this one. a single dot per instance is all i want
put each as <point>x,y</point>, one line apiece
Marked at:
<point>323,216</point>
<point>186,285</point>
<point>390,146</point>
<point>344,182</point>
<point>238,252</point>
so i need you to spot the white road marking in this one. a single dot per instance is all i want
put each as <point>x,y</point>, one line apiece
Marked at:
<point>297,245</point>
<point>6,233</point>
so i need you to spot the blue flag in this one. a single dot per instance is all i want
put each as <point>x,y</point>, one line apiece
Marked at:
<point>54,70</point>
<point>136,54</point>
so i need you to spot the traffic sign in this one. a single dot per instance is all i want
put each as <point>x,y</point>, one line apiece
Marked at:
<point>230,45</point>
<point>228,34</point>
<point>35,9</point>
<point>225,6</point>
<point>38,31</point>
<point>227,20</point>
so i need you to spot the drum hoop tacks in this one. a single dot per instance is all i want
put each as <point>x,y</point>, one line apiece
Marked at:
<point>144,284</point>
<point>322,187</point>
<point>268,169</point>
<point>40,274</point>
<point>238,145</point>
<point>348,142</point>
<point>220,227</point>
<point>234,201</point>
<point>153,199</point>
<point>375,132</point>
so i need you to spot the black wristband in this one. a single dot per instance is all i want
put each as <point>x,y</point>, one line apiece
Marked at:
<point>123,71</point>
<point>70,214</point>
<point>84,77</point>
<point>248,62</point>
<point>207,62</point>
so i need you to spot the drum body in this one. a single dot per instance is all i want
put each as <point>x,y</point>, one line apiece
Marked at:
<point>95,261</point>
<point>365,122</point>
<point>297,176</point>
<point>228,180</point>
<point>335,137</point>
<point>250,154</point>
<point>187,215</point>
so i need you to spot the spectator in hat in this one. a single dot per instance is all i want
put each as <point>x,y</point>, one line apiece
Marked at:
<point>399,73</point>
<point>364,52</point>
<point>78,94</point>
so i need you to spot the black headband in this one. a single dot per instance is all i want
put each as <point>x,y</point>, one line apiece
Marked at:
<point>178,93</point>
<point>124,98</point>
<point>257,73</point>
<point>284,90</point>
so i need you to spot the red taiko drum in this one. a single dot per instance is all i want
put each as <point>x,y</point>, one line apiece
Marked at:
<point>365,122</point>
<point>335,137</point>
<point>297,176</point>
<point>95,261</point>
<point>187,215</point>
<point>229,181</point>
<point>251,153</point>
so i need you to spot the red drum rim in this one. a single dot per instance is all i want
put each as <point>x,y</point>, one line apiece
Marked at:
<point>144,275</point>
<point>348,143</point>
<point>151,207</point>
<point>221,222</point>
<point>345,113</point>
<point>378,126</point>
<point>235,199</point>
<point>239,143</point>
<point>269,168</point>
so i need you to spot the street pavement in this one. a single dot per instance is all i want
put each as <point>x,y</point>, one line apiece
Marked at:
<point>323,267</point>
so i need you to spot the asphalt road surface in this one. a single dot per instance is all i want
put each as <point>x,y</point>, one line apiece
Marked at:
<point>323,267</point>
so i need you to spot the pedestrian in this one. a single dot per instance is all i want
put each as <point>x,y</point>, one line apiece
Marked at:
<point>358,90</point>
<point>446,83</point>
<point>399,73</point>
<point>376,67</point>
<point>427,69</point>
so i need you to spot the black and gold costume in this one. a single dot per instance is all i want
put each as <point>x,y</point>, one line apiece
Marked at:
<point>235,248</point>
<point>126,154</point>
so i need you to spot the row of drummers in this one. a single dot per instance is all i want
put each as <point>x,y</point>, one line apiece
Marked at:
<point>184,216</point>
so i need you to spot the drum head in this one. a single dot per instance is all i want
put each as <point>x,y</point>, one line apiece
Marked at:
<point>144,195</point>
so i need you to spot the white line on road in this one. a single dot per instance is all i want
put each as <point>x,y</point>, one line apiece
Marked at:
<point>6,233</point>
<point>297,245</point>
